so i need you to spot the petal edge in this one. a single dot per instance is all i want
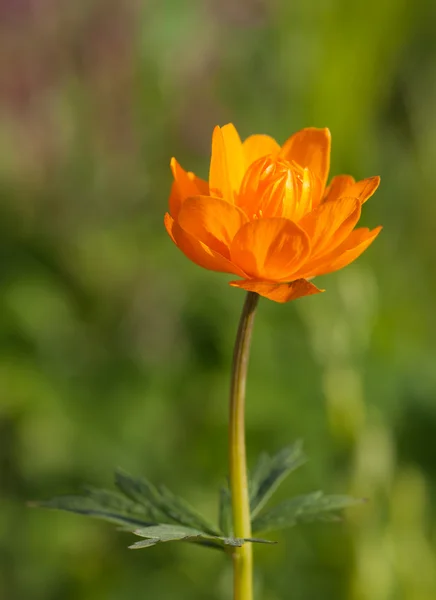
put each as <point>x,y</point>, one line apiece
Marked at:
<point>310,148</point>
<point>278,292</point>
<point>270,249</point>
<point>197,252</point>
<point>212,220</point>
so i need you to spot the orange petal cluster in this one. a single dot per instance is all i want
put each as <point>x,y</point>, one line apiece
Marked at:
<point>266,214</point>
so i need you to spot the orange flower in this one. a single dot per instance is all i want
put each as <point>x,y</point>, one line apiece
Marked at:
<point>266,214</point>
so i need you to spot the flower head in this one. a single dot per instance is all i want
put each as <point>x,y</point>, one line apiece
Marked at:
<point>266,214</point>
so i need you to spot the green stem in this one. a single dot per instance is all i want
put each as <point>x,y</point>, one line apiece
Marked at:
<point>242,557</point>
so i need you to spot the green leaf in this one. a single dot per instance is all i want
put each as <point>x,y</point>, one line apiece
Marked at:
<point>145,510</point>
<point>225,511</point>
<point>140,504</point>
<point>170,533</point>
<point>102,504</point>
<point>269,472</point>
<point>167,533</point>
<point>311,507</point>
<point>161,503</point>
<point>183,513</point>
<point>141,491</point>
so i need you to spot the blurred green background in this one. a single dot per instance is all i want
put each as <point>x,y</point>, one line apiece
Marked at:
<point>115,349</point>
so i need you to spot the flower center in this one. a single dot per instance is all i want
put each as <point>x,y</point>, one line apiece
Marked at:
<point>274,187</point>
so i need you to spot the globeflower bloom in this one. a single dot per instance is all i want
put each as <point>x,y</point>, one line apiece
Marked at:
<point>267,215</point>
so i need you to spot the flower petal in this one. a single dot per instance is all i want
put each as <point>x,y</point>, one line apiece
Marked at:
<point>169,226</point>
<point>298,200</point>
<point>362,190</point>
<point>227,164</point>
<point>185,184</point>
<point>279,292</point>
<point>270,249</point>
<point>330,223</point>
<point>198,252</point>
<point>344,185</point>
<point>261,194</point>
<point>212,221</point>
<point>310,148</point>
<point>257,146</point>
<point>356,243</point>
<point>337,187</point>
<point>175,200</point>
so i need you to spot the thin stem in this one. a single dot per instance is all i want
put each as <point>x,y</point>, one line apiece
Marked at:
<point>242,557</point>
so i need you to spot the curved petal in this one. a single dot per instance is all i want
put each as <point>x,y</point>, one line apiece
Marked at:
<point>344,185</point>
<point>169,226</point>
<point>198,252</point>
<point>175,200</point>
<point>317,188</point>
<point>356,243</point>
<point>310,148</point>
<point>330,223</point>
<point>185,184</point>
<point>278,292</point>
<point>270,249</point>
<point>260,196</point>
<point>212,221</point>
<point>337,187</point>
<point>257,146</point>
<point>362,190</point>
<point>298,200</point>
<point>227,163</point>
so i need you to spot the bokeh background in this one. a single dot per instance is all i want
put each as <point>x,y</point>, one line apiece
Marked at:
<point>115,350</point>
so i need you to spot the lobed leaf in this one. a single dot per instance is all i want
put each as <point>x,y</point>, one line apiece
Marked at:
<point>270,471</point>
<point>102,504</point>
<point>182,512</point>
<point>162,503</point>
<point>311,507</point>
<point>151,512</point>
<point>169,533</point>
<point>142,492</point>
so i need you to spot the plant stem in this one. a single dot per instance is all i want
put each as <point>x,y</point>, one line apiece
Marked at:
<point>242,557</point>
